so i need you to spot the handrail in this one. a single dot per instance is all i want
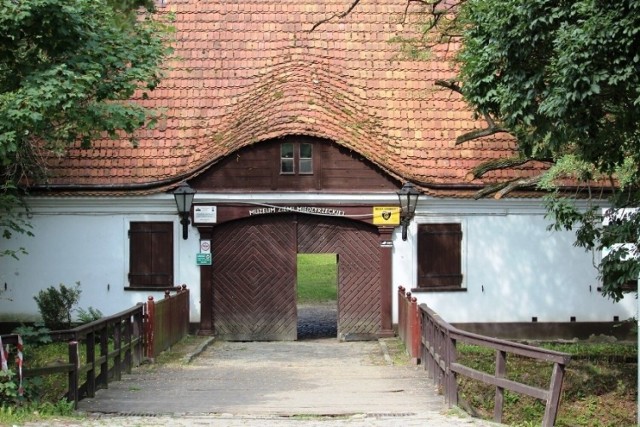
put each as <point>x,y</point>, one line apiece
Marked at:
<point>112,346</point>
<point>439,353</point>
<point>167,321</point>
<point>409,329</point>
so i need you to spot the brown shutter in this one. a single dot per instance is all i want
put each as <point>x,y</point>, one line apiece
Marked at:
<point>151,254</point>
<point>439,256</point>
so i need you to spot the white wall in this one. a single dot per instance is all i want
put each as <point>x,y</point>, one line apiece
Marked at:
<point>514,269</point>
<point>85,240</point>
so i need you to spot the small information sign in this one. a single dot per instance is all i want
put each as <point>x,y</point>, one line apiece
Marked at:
<point>205,214</point>
<point>386,215</point>
<point>203,259</point>
<point>205,246</point>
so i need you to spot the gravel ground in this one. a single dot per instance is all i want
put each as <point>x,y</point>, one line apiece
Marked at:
<point>317,321</point>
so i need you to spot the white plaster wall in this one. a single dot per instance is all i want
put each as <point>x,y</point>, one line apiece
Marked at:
<point>86,241</point>
<point>514,269</point>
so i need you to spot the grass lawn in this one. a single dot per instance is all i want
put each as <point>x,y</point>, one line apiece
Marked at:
<point>600,385</point>
<point>317,278</point>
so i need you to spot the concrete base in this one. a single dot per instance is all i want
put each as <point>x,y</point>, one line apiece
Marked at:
<point>621,331</point>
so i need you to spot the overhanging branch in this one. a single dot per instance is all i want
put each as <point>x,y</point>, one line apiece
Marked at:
<point>491,128</point>
<point>501,189</point>
<point>335,15</point>
<point>495,164</point>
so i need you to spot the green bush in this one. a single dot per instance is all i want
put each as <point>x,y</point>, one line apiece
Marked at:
<point>89,315</point>
<point>33,336</point>
<point>56,305</point>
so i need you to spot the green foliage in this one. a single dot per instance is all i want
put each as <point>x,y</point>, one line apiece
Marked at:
<point>12,392</point>
<point>562,78</point>
<point>33,336</point>
<point>599,388</point>
<point>13,212</point>
<point>8,387</point>
<point>56,305</point>
<point>68,69</point>
<point>552,74</point>
<point>89,315</point>
<point>18,415</point>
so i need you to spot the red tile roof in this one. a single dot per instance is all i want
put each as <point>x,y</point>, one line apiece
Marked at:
<point>245,71</point>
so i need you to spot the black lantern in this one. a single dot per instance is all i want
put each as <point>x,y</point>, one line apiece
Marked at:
<point>184,197</point>
<point>408,196</point>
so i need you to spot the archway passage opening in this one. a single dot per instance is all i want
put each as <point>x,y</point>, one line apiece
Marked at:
<point>317,295</point>
<point>254,275</point>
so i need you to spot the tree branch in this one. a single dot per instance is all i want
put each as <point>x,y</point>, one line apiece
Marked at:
<point>335,15</point>
<point>491,128</point>
<point>495,164</point>
<point>500,189</point>
<point>479,133</point>
<point>516,184</point>
<point>502,163</point>
<point>449,84</point>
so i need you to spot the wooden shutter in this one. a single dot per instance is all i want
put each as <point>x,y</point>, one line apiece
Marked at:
<point>151,254</point>
<point>439,256</point>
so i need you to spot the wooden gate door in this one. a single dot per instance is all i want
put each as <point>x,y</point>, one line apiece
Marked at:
<point>358,249</point>
<point>254,274</point>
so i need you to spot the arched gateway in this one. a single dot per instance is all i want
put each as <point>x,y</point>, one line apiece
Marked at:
<point>326,195</point>
<point>254,276</point>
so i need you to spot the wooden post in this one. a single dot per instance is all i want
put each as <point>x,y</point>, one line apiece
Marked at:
<point>103,379</point>
<point>117,348</point>
<point>74,359</point>
<point>91,362</point>
<point>501,369</point>
<point>138,333</point>
<point>128,327</point>
<point>414,328</point>
<point>386,290</point>
<point>150,325</point>
<point>452,384</point>
<point>401,316</point>
<point>553,402</point>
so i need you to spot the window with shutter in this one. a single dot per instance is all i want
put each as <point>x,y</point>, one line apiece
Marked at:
<point>440,256</point>
<point>151,254</point>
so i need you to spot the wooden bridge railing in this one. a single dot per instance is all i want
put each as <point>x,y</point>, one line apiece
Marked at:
<point>167,321</point>
<point>439,355</point>
<point>409,325</point>
<point>113,345</point>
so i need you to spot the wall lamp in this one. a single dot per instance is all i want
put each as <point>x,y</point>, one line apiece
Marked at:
<point>408,196</point>
<point>184,198</point>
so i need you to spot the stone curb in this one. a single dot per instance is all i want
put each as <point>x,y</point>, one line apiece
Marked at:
<point>198,350</point>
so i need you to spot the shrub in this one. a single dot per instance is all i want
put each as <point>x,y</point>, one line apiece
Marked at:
<point>56,305</point>
<point>33,336</point>
<point>89,315</point>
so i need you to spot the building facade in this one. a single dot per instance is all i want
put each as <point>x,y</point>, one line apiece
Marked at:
<point>297,141</point>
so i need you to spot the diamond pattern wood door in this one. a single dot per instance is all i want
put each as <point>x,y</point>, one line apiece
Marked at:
<point>358,252</point>
<point>254,276</point>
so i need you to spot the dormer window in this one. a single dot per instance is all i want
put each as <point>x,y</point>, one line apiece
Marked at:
<point>296,158</point>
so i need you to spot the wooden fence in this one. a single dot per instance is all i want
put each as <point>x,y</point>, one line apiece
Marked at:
<point>439,354</point>
<point>168,321</point>
<point>409,326</point>
<point>113,345</point>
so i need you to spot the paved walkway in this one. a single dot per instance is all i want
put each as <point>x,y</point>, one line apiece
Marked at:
<point>299,384</point>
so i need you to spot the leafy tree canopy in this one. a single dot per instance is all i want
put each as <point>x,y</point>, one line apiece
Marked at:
<point>563,78</point>
<point>68,69</point>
